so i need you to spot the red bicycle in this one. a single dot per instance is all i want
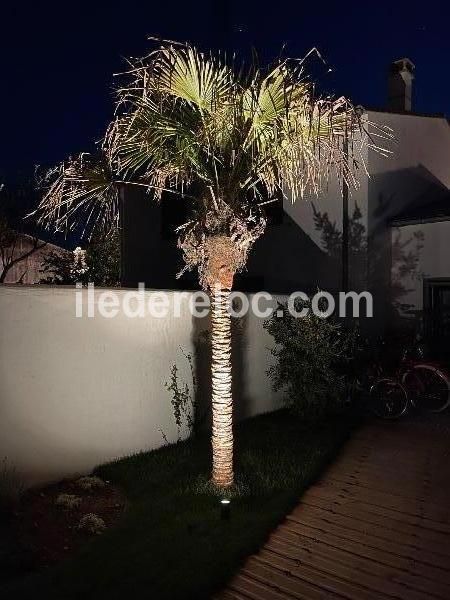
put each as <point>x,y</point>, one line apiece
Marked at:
<point>417,383</point>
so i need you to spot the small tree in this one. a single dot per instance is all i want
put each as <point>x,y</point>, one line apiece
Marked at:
<point>101,264</point>
<point>227,141</point>
<point>10,242</point>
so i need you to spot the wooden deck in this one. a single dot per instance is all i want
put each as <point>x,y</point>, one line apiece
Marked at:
<point>377,525</point>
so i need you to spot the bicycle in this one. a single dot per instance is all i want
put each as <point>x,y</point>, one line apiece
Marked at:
<point>416,384</point>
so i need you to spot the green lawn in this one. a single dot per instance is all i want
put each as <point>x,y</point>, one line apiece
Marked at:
<point>171,543</point>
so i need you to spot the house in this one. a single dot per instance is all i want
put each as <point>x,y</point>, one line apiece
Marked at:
<point>22,259</point>
<point>392,231</point>
<point>420,242</point>
<point>398,215</point>
<point>23,245</point>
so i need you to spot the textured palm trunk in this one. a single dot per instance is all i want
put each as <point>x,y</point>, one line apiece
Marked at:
<point>222,401</point>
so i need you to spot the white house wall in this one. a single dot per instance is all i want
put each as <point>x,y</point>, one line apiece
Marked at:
<point>416,170</point>
<point>416,173</point>
<point>432,261</point>
<point>329,201</point>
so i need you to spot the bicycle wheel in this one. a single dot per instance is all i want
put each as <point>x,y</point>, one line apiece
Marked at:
<point>414,386</point>
<point>433,391</point>
<point>388,399</point>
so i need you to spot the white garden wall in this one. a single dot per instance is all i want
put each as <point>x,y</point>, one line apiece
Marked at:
<point>76,392</point>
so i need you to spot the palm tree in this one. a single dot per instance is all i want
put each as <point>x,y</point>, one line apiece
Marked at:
<point>226,141</point>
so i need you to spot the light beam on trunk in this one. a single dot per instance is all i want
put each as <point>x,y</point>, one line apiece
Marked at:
<point>222,401</point>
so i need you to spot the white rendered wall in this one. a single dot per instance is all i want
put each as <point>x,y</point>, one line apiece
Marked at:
<point>416,174</point>
<point>433,260</point>
<point>417,169</point>
<point>326,270</point>
<point>76,392</point>
<point>329,200</point>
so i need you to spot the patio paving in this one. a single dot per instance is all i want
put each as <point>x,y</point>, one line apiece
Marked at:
<point>377,525</point>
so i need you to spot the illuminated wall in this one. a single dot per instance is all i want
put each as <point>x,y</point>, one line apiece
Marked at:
<point>75,392</point>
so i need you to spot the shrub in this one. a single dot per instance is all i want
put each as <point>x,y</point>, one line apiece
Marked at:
<point>68,501</point>
<point>92,523</point>
<point>90,482</point>
<point>182,398</point>
<point>310,355</point>
<point>188,415</point>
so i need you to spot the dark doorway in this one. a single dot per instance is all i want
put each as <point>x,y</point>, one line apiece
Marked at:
<point>437,315</point>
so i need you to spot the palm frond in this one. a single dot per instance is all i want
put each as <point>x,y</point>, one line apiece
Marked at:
<point>186,120</point>
<point>80,190</point>
<point>186,74</point>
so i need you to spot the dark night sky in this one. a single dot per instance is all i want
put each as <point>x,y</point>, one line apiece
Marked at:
<point>57,59</point>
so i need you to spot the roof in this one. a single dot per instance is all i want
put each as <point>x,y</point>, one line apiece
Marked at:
<point>438,210</point>
<point>40,240</point>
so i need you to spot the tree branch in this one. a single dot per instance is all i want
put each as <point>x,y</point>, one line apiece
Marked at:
<point>11,261</point>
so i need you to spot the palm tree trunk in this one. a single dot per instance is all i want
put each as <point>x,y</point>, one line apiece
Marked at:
<point>222,401</point>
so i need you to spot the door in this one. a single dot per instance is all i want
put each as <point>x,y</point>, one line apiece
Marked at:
<point>437,315</point>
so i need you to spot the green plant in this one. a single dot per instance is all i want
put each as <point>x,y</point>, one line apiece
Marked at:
<point>204,486</point>
<point>68,501</point>
<point>227,142</point>
<point>12,250</point>
<point>89,483</point>
<point>310,354</point>
<point>92,523</point>
<point>182,397</point>
<point>172,543</point>
<point>101,263</point>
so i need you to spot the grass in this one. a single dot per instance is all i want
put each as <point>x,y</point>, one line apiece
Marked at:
<point>171,543</point>
<point>10,485</point>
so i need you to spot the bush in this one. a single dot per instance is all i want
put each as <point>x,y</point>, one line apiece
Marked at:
<point>92,523</point>
<point>68,501</point>
<point>99,264</point>
<point>89,483</point>
<point>182,398</point>
<point>310,358</point>
<point>188,415</point>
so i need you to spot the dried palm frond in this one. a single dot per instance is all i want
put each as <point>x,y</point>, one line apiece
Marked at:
<point>218,243</point>
<point>188,123</point>
<point>80,190</point>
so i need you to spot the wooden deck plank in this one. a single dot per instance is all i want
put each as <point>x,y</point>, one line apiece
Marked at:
<point>384,573</point>
<point>356,511</point>
<point>309,585</point>
<point>370,538</point>
<point>321,493</point>
<point>351,576</point>
<point>256,590</point>
<point>367,525</point>
<point>358,547</point>
<point>417,507</point>
<point>376,526</point>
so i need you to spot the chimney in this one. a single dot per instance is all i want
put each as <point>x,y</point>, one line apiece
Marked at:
<point>401,75</point>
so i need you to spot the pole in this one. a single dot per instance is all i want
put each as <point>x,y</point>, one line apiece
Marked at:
<point>345,224</point>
